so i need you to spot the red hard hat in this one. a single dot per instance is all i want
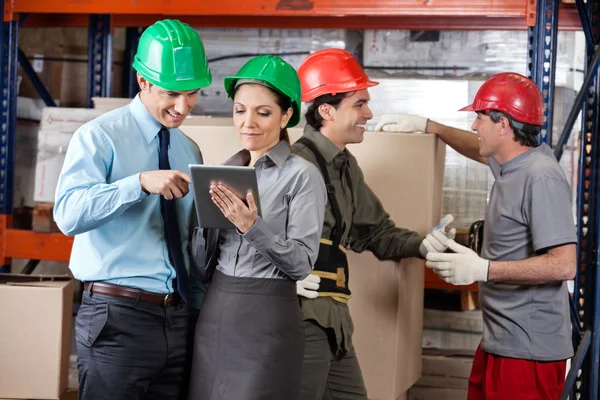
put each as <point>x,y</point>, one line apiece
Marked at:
<point>513,94</point>
<point>331,71</point>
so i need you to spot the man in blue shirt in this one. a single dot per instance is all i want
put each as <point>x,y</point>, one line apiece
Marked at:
<point>123,194</point>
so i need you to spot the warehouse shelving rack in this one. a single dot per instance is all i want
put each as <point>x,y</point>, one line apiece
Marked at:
<point>542,19</point>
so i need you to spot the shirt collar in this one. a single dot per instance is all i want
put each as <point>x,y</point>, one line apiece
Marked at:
<point>276,156</point>
<point>516,162</point>
<point>145,121</point>
<point>324,145</point>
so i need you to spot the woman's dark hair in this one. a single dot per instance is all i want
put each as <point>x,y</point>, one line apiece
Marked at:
<point>525,134</point>
<point>313,117</point>
<point>284,103</point>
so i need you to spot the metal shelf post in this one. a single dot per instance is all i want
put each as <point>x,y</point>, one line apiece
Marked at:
<point>586,295</point>
<point>8,80</point>
<point>542,58</point>
<point>132,38</point>
<point>100,57</point>
<point>591,118</point>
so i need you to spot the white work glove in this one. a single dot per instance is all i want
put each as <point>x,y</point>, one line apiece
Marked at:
<point>308,287</point>
<point>436,240</point>
<point>406,123</point>
<point>460,268</point>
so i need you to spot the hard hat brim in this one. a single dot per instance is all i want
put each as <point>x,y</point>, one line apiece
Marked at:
<point>310,96</point>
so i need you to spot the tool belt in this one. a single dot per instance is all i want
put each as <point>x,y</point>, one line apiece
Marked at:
<point>332,262</point>
<point>332,268</point>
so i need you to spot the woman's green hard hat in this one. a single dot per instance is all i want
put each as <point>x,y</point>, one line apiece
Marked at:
<point>277,74</point>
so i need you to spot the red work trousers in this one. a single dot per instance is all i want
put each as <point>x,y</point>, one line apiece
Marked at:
<point>501,378</point>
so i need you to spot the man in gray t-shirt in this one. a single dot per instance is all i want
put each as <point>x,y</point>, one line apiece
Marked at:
<point>529,243</point>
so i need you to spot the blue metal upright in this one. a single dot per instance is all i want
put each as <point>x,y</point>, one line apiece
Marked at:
<point>8,78</point>
<point>542,59</point>
<point>582,380</point>
<point>100,57</point>
<point>130,85</point>
<point>591,119</point>
<point>9,33</point>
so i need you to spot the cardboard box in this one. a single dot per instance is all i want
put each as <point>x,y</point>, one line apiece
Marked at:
<point>217,138</point>
<point>52,147</point>
<point>31,109</point>
<point>109,103</point>
<point>448,369</point>
<point>463,321</point>
<point>69,394</point>
<point>406,171</point>
<point>429,393</point>
<point>47,68</point>
<point>36,332</point>
<point>450,340</point>
<point>67,119</point>
<point>64,72</point>
<point>452,330</point>
<point>57,126</point>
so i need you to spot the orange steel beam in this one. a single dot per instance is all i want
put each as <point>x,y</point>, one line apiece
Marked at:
<point>491,8</point>
<point>568,20</point>
<point>15,243</point>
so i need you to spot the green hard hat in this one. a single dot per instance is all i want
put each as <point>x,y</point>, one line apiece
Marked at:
<point>170,55</point>
<point>277,74</point>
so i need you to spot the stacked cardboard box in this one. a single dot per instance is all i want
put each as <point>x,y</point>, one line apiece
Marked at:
<point>452,330</point>
<point>36,335</point>
<point>445,376</point>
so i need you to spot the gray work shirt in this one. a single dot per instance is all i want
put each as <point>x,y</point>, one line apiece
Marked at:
<point>284,243</point>
<point>529,210</point>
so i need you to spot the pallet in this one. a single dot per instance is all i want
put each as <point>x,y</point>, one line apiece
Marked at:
<point>43,218</point>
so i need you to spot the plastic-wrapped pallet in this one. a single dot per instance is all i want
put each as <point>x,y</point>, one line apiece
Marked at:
<point>56,129</point>
<point>462,53</point>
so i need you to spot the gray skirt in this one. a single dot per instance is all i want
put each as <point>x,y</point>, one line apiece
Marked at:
<point>249,342</point>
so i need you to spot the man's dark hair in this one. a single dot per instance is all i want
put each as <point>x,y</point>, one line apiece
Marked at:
<point>525,134</point>
<point>313,117</point>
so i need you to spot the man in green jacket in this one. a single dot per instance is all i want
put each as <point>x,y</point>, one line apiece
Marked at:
<point>337,87</point>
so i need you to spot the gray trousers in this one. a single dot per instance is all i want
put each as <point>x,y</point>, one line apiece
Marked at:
<point>130,350</point>
<point>326,376</point>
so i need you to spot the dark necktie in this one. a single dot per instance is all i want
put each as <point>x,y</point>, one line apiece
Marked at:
<point>168,211</point>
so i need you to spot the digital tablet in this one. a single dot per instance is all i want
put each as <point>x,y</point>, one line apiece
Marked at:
<point>239,180</point>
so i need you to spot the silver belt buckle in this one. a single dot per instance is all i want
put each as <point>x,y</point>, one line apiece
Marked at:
<point>166,299</point>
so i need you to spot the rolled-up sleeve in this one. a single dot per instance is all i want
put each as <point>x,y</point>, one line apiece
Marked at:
<point>296,254</point>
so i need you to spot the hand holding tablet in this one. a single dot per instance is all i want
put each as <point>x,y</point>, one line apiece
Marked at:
<point>240,212</point>
<point>221,190</point>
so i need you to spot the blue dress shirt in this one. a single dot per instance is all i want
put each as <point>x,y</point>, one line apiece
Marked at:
<point>118,228</point>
